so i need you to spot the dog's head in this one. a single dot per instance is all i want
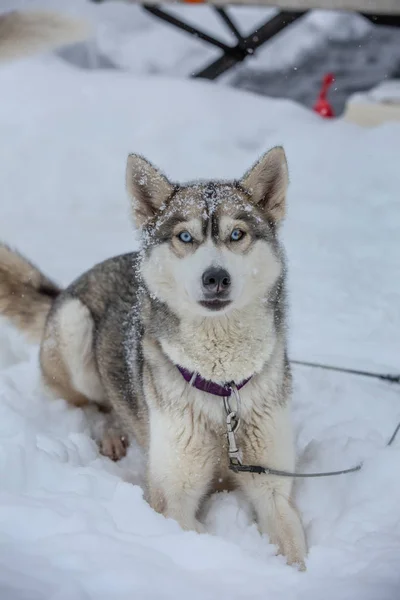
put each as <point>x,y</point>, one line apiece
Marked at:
<point>210,247</point>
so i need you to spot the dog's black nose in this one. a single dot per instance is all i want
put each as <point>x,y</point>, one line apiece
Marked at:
<point>216,280</point>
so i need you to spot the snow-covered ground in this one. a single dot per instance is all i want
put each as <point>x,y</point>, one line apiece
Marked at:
<point>73,525</point>
<point>290,65</point>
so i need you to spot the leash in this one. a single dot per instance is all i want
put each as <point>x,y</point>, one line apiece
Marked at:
<point>235,455</point>
<point>233,419</point>
<point>390,377</point>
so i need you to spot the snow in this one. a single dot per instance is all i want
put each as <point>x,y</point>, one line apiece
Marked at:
<point>387,92</point>
<point>73,525</point>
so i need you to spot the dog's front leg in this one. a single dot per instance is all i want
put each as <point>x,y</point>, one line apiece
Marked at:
<point>271,496</point>
<point>181,462</point>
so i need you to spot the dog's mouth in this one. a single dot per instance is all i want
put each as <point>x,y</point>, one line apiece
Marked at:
<point>215,304</point>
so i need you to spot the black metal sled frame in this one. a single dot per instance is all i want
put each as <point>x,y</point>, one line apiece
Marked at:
<point>246,46</point>
<point>232,55</point>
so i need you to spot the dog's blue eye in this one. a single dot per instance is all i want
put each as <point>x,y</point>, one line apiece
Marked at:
<point>185,237</point>
<point>237,235</point>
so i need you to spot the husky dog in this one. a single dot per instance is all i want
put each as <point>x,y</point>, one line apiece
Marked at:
<point>23,33</point>
<point>153,337</point>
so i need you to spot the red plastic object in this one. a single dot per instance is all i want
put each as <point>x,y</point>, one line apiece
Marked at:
<point>322,106</point>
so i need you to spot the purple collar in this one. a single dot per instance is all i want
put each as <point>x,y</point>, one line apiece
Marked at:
<point>224,391</point>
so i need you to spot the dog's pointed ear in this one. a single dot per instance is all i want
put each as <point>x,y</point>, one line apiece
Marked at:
<point>267,182</point>
<point>147,187</point>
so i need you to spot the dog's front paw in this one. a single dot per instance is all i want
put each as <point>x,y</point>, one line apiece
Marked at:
<point>286,532</point>
<point>296,561</point>
<point>113,444</point>
<point>295,552</point>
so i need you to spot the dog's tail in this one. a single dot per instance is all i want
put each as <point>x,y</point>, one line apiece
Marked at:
<point>26,295</point>
<point>23,33</point>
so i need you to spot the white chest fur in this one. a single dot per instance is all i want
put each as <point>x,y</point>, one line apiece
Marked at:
<point>178,398</point>
<point>227,348</point>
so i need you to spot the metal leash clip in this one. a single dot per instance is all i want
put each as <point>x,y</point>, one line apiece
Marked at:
<point>232,425</point>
